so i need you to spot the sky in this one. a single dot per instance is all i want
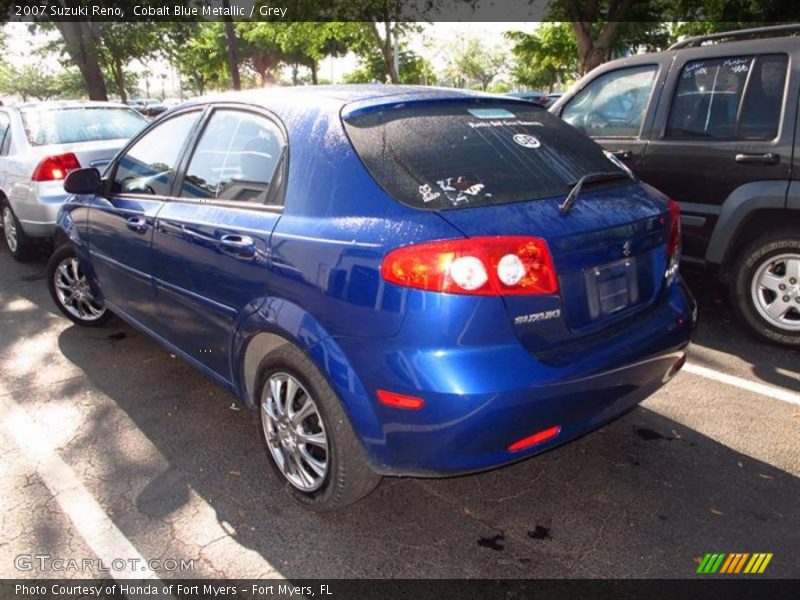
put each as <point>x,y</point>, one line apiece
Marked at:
<point>429,44</point>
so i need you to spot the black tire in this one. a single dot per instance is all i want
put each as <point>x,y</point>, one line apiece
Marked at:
<point>60,257</point>
<point>755,256</point>
<point>348,478</point>
<point>21,248</point>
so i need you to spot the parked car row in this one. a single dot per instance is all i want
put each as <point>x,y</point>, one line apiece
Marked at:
<point>150,107</point>
<point>406,281</point>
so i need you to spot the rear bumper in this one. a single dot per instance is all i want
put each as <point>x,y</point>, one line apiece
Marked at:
<point>478,402</point>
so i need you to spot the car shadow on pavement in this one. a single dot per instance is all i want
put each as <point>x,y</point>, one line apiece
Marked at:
<point>718,329</point>
<point>178,467</point>
<point>644,496</point>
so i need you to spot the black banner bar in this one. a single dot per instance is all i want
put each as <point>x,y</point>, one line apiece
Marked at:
<point>384,10</point>
<point>705,587</point>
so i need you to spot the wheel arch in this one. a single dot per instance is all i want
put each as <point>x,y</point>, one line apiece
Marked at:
<point>744,215</point>
<point>279,322</point>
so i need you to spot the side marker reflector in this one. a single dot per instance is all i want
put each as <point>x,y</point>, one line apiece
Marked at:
<point>536,438</point>
<point>400,400</point>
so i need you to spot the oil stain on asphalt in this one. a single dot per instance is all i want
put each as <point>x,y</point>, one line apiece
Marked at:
<point>495,542</point>
<point>539,533</point>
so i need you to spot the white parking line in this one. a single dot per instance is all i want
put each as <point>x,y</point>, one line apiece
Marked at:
<point>750,386</point>
<point>88,517</point>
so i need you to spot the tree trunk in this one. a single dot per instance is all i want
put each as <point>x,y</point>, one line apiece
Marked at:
<point>594,52</point>
<point>119,79</point>
<point>81,47</point>
<point>314,77</point>
<point>385,46</point>
<point>233,50</point>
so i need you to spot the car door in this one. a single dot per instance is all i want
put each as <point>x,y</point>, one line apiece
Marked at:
<point>211,242</point>
<point>723,124</point>
<point>612,109</point>
<point>120,227</point>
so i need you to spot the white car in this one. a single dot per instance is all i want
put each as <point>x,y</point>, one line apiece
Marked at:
<point>39,144</point>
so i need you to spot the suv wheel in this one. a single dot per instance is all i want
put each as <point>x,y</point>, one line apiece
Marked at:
<point>766,287</point>
<point>70,290</point>
<point>16,240</point>
<point>307,435</point>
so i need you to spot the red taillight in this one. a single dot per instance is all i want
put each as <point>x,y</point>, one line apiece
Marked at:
<point>674,228</point>
<point>56,167</point>
<point>674,242</point>
<point>484,266</point>
<point>400,400</point>
<point>536,438</point>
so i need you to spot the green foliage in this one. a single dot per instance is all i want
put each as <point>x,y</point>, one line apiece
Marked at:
<point>414,70</point>
<point>471,63</point>
<point>199,53</point>
<point>544,58</point>
<point>32,82</point>
<point>267,45</point>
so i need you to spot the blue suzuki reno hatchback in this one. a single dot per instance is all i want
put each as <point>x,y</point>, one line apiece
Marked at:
<point>400,280</point>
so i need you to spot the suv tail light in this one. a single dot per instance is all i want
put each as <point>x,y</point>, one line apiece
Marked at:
<point>56,167</point>
<point>673,242</point>
<point>482,266</point>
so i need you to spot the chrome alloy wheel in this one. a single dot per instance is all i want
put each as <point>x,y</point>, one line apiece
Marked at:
<point>74,293</point>
<point>776,291</point>
<point>294,432</point>
<point>10,229</point>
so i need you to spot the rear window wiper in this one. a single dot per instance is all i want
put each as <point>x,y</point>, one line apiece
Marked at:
<point>576,186</point>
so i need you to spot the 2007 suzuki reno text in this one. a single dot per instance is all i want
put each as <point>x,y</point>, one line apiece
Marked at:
<point>402,281</point>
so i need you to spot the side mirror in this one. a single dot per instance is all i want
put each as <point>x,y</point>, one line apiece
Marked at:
<point>83,181</point>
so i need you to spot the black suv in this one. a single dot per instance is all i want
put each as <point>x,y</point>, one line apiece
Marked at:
<point>712,122</point>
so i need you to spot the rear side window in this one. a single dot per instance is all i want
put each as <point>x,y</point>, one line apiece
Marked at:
<point>235,159</point>
<point>81,124</point>
<point>738,97</point>
<point>613,105</point>
<point>441,156</point>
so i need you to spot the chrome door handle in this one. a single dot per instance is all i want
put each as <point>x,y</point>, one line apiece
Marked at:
<point>770,158</point>
<point>137,224</point>
<point>240,246</point>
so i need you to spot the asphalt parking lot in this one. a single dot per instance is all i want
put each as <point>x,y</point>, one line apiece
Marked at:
<point>113,449</point>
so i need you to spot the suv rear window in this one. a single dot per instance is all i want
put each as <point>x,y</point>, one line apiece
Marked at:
<point>80,124</point>
<point>459,155</point>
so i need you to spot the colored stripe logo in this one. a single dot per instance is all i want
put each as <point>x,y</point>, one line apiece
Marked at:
<point>734,562</point>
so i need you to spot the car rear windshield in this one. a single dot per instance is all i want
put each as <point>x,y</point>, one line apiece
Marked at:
<point>459,155</point>
<point>80,124</point>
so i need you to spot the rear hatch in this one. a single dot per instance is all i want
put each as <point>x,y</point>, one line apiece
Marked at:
<point>497,168</point>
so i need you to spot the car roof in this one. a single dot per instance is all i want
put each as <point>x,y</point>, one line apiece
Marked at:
<point>64,104</point>
<point>336,97</point>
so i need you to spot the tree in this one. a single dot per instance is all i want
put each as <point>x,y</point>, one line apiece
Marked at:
<point>545,57</point>
<point>81,44</point>
<point>602,27</point>
<point>414,70</point>
<point>233,47</point>
<point>199,52</point>
<point>121,43</point>
<point>472,60</point>
<point>32,81</point>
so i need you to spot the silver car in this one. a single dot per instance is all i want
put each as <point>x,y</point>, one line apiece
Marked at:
<point>39,144</point>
